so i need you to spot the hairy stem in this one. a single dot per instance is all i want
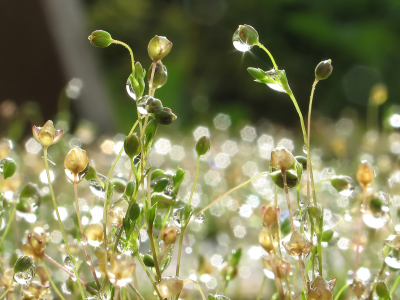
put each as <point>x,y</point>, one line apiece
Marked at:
<point>83,236</point>
<point>53,198</point>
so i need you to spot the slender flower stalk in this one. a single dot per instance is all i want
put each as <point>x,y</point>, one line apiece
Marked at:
<point>184,227</point>
<point>288,199</point>
<point>364,197</point>
<point>60,222</point>
<point>377,280</point>
<point>2,186</point>
<point>6,291</point>
<point>148,275</point>
<point>261,287</point>
<point>52,282</point>
<point>8,226</point>
<point>197,285</point>
<point>138,295</point>
<point>83,236</point>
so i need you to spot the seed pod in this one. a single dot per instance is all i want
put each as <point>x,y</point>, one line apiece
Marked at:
<point>132,145</point>
<point>323,69</point>
<point>100,38</point>
<point>269,214</point>
<point>160,75</point>
<point>148,260</point>
<point>282,158</point>
<point>46,135</point>
<point>169,286</point>
<point>154,105</point>
<point>159,47</point>
<point>8,167</point>
<point>365,174</point>
<point>169,234</point>
<point>166,116</point>
<point>203,145</point>
<point>382,290</point>
<point>265,241</point>
<point>320,289</point>
<point>76,164</point>
<point>23,263</point>
<point>298,245</point>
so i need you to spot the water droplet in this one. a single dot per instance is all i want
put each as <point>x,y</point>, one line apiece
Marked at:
<point>316,265</point>
<point>96,187</point>
<point>297,220</point>
<point>375,222</point>
<point>393,262</point>
<point>141,105</point>
<point>305,149</point>
<point>200,218</point>
<point>305,227</point>
<point>117,211</point>
<point>177,217</point>
<point>276,87</point>
<point>26,276</point>
<point>220,297</point>
<point>301,202</point>
<point>239,44</point>
<point>2,162</point>
<point>68,263</point>
<point>130,90</point>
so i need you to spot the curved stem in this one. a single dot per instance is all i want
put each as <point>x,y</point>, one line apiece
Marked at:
<point>68,272</point>
<point>136,292</point>
<point>60,222</point>
<point>321,182</point>
<point>341,291</point>
<point>288,199</point>
<point>269,54</point>
<point>83,236</point>
<point>148,275</point>
<point>228,192</point>
<point>377,280</point>
<point>195,179</point>
<point>2,186</point>
<point>394,285</point>
<point>8,225</point>
<point>197,285</point>
<point>359,233</point>
<point>309,136</point>
<point>52,282</point>
<point>6,291</point>
<point>130,52</point>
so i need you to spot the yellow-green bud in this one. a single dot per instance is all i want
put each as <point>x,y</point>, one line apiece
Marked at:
<point>100,38</point>
<point>365,173</point>
<point>160,75</point>
<point>7,167</point>
<point>282,158</point>
<point>203,145</point>
<point>132,145</point>
<point>323,70</point>
<point>159,47</point>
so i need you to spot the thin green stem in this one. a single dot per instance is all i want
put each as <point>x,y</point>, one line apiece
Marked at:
<point>53,198</point>
<point>195,179</point>
<point>359,233</point>
<point>394,285</point>
<point>151,87</point>
<point>228,192</point>
<point>148,275</point>
<point>321,182</point>
<point>106,202</point>
<point>377,280</point>
<point>261,287</point>
<point>341,291</point>
<point>83,236</point>
<point>130,52</point>
<point>8,226</point>
<point>6,291</point>
<point>288,199</point>
<point>309,137</point>
<point>153,250</point>
<point>178,263</point>
<point>269,54</point>
<point>51,281</point>
<point>197,285</point>
<point>136,292</point>
<point>2,186</point>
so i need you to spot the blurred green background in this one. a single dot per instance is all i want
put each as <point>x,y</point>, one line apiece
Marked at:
<point>207,75</point>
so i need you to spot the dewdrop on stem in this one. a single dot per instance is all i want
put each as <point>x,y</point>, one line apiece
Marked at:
<point>244,38</point>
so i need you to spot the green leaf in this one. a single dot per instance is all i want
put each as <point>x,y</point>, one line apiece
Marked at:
<point>303,295</point>
<point>177,180</point>
<point>23,263</point>
<point>134,212</point>
<point>327,235</point>
<point>130,188</point>
<point>151,215</point>
<point>156,173</point>
<point>163,200</point>
<point>234,257</point>
<point>161,185</point>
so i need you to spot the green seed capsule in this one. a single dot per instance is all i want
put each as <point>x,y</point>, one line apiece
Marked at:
<point>148,260</point>
<point>160,75</point>
<point>154,105</point>
<point>159,47</point>
<point>323,70</point>
<point>100,38</point>
<point>132,145</point>
<point>203,145</point>
<point>7,167</point>
<point>166,116</point>
<point>382,290</point>
<point>23,263</point>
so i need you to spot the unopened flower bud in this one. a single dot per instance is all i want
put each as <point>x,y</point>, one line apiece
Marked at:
<point>169,234</point>
<point>159,47</point>
<point>365,173</point>
<point>169,286</point>
<point>7,167</point>
<point>76,164</point>
<point>382,290</point>
<point>23,263</point>
<point>148,260</point>
<point>269,214</point>
<point>160,75</point>
<point>166,116</point>
<point>282,158</point>
<point>132,145</point>
<point>320,289</point>
<point>46,135</point>
<point>244,38</point>
<point>323,69</point>
<point>100,38</point>
<point>342,183</point>
<point>203,145</point>
<point>94,232</point>
<point>298,245</point>
<point>154,105</point>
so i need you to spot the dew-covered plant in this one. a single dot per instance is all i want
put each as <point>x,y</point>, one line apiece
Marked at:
<point>136,202</point>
